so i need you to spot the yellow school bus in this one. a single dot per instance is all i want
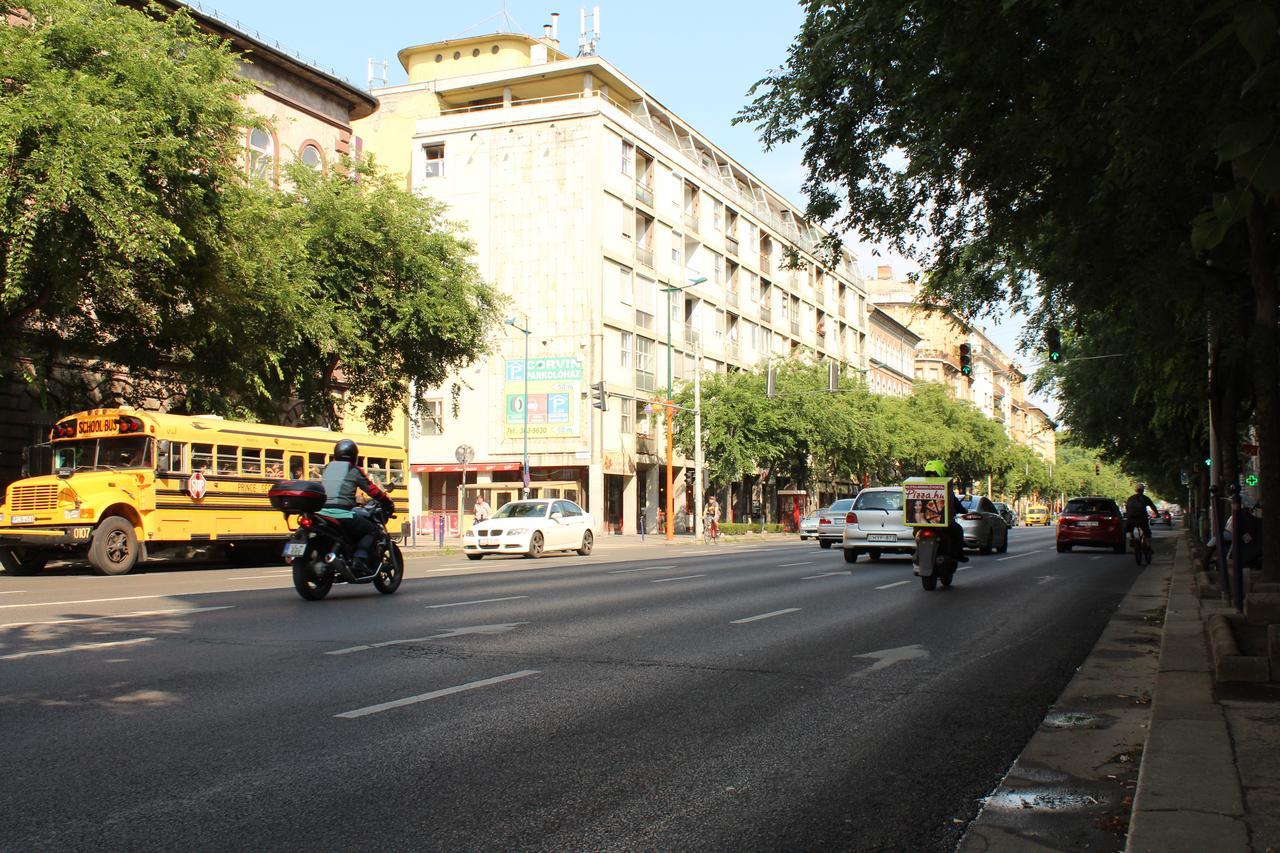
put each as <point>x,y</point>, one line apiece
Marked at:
<point>118,485</point>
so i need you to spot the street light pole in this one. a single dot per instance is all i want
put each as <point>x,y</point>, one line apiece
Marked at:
<point>670,407</point>
<point>511,321</point>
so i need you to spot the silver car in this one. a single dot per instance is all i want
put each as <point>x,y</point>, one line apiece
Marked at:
<point>809,526</point>
<point>831,522</point>
<point>983,527</point>
<point>874,525</point>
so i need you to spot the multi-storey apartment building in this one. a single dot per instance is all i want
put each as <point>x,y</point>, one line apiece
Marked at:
<point>996,385</point>
<point>633,250</point>
<point>891,356</point>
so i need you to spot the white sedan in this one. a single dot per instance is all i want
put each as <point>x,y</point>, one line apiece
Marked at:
<point>532,527</point>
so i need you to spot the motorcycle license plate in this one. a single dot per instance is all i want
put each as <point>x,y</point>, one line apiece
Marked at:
<point>295,549</point>
<point>881,537</point>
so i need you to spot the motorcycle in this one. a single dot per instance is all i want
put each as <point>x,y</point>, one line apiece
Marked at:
<point>933,560</point>
<point>319,552</point>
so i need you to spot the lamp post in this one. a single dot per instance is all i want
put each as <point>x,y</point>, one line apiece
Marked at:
<point>511,321</point>
<point>670,407</point>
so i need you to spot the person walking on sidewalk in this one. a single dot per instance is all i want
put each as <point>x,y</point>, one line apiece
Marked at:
<point>711,528</point>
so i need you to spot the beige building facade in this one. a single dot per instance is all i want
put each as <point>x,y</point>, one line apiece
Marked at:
<point>615,229</point>
<point>891,356</point>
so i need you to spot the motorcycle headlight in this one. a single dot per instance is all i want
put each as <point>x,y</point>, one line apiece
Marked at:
<point>517,531</point>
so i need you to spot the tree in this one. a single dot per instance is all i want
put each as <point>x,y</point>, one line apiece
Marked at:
<point>1049,154</point>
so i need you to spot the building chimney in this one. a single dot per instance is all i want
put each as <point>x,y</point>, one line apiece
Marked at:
<point>546,32</point>
<point>555,26</point>
<point>884,272</point>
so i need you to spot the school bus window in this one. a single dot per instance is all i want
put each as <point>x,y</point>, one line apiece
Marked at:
<point>227,459</point>
<point>201,457</point>
<point>170,455</point>
<point>397,472</point>
<point>275,464</point>
<point>251,461</point>
<point>315,465</point>
<point>296,468</point>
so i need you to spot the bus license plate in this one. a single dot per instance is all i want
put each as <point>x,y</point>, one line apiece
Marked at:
<point>295,549</point>
<point>22,519</point>
<point>882,537</point>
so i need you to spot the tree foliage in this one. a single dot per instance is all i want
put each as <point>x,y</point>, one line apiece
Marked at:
<point>131,238</point>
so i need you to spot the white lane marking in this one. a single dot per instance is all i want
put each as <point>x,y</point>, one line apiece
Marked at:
<point>824,575</point>
<point>182,610</point>
<point>435,694</point>
<point>79,647</point>
<point>122,598</point>
<point>1044,579</point>
<point>764,616</point>
<point>789,565</point>
<point>1097,558</point>
<point>644,569</point>
<point>1025,554</point>
<point>490,630</point>
<point>891,585</point>
<point>888,657</point>
<point>683,578</point>
<point>477,601</point>
<point>12,591</point>
<point>259,577</point>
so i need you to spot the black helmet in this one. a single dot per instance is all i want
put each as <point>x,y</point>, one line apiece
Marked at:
<point>346,450</point>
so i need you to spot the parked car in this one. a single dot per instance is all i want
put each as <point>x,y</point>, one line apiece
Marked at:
<point>874,525</point>
<point>1037,514</point>
<point>983,527</point>
<point>1095,521</point>
<point>532,527</point>
<point>1007,513</point>
<point>809,526</point>
<point>831,522</point>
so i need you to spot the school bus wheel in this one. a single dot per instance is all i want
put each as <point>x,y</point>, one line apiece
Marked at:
<point>22,561</point>
<point>114,549</point>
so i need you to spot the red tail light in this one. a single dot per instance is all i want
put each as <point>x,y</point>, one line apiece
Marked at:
<point>972,516</point>
<point>304,521</point>
<point>851,518</point>
<point>925,533</point>
<point>824,520</point>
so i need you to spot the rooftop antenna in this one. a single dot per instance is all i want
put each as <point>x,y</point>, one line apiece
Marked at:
<point>375,74</point>
<point>588,38</point>
<point>503,17</point>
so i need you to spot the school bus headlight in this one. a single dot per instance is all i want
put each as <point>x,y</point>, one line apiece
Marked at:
<point>71,514</point>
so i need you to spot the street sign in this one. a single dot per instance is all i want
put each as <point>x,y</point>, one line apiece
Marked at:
<point>465,453</point>
<point>1251,480</point>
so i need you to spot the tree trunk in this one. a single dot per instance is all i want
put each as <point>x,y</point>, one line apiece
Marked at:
<point>1266,375</point>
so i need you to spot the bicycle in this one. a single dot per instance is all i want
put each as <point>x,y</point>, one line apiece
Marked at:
<point>711,532</point>
<point>1141,546</point>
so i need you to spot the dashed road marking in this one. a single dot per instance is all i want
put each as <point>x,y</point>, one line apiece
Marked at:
<point>789,565</point>
<point>764,616</point>
<point>180,611</point>
<point>79,647</point>
<point>435,694</point>
<point>891,585</point>
<point>642,569</point>
<point>477,601</point>
<point>1024,554</point>
<point>824,575</point>
<point>683,578</point>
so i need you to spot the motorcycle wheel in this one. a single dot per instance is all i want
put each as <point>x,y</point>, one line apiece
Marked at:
<point>930,583</point>
<point>946,576</point>
<point>305,582</point>
<point>391,572</point>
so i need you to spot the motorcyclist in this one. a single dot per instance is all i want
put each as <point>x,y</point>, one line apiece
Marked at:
<point>1135,511</point>
<point>955,533</point>
<point>342,478</point>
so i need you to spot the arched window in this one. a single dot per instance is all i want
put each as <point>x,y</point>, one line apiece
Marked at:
<point>312,157</point>
<point>262,148</point>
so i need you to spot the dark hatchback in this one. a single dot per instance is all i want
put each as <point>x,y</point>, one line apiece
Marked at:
<point>1093,521</point>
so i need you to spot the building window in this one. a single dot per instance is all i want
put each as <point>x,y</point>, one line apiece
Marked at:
<point>435,160</point>
<point>624,351</point>
<point>628,159</point>
<point>262,147</point>
<point>312,157</point>
<point>644,364</point>
<point>627,414</point>
<point>431,418</point>
<point>626,290</point>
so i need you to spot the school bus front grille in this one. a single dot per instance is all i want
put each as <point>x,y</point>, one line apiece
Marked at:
<point>33,498</point>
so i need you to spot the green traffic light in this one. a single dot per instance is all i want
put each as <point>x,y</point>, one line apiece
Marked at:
<point>1055,356</point>
<point>1208,463</point>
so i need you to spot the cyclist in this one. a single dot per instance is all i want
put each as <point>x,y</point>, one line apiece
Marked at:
<point>711,519</point>
<point>1135,511</point>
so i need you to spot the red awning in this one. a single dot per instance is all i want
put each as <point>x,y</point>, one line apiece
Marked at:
<point>456,467</point>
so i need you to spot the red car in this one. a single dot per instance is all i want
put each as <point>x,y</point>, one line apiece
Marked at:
<point>1094,521</point>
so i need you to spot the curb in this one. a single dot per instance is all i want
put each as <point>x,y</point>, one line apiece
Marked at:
<point>1228,663</point>
<point>1189,796</point>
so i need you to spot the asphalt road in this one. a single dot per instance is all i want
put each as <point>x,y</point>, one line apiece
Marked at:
<point>712,698</point>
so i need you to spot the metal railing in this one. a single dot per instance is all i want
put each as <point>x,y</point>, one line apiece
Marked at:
<point>766,313</point>
<point>795,327</point>
<point>644,195</point>
<point>646,444</point>
<point>765,262</point>
<point>644,256</point>
<point>692,335</point>
<point>731,243</point>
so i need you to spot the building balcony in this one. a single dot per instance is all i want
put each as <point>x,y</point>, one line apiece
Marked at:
<point>644,195</point>
<point>766,313</point>
<point>765,262</point>
<point>731,349</point>
<point>795,327</point>
<point>644,256</point>
<point>731,297</point>
<point>731,244</point>
<point>692,335</point>
<point>820,298</point>
<point>691,220</point>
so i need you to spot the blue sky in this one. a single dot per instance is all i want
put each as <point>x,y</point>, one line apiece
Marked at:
<point>697,58</point>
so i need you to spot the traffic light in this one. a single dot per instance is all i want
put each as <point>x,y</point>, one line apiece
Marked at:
<point>1097,469</point>
<point>688,478</point>
<point>966,359</point>
<point>1053,343</point>
<point>599,398</point>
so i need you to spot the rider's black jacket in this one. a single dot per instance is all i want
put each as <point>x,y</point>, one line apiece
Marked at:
<point>1135,510</point>
<point>341,482</point>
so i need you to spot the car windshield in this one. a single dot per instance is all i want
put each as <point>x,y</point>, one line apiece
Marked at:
<point>972,504</point>
<point>889,500</point>
<point>523,509</point>
<point>1091,506</point>
<point>102,454</point>
<point>841,505</point>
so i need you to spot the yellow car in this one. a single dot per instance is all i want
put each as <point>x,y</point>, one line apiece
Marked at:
<point>1038,514</point>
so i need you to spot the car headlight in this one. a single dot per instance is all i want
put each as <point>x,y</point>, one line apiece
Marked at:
<point>471,533</point>
<point>517,531</point>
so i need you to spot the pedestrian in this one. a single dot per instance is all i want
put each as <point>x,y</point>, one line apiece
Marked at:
<point>481,511</point>
<point>711,519</point>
